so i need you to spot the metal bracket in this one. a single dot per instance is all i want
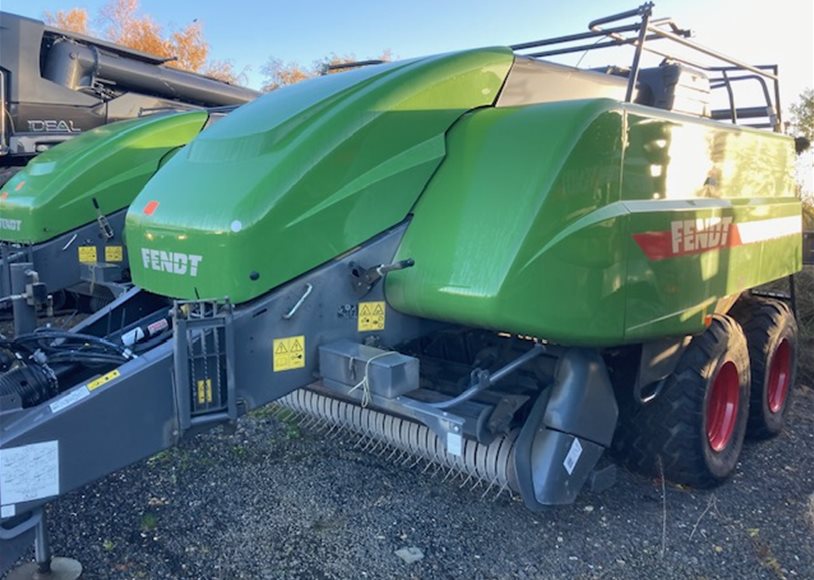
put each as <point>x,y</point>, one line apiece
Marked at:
<point>22,527</point>
<point>203,363</point>
<point>448,426</point>
<point>364,279</point>
<point>104,225</point>
<point>25,311</point>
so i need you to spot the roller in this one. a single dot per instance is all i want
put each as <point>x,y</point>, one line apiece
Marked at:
<point>490,464</point>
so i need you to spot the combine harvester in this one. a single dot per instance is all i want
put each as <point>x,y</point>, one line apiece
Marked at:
<point>498,264</point>
<point>62,217</point>
<point>56,84</point>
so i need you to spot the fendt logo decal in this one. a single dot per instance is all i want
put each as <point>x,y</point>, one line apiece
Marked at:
<point>52,126</point>
<point>171,262</point>
<point>688,237</point>
<point>12,225</point>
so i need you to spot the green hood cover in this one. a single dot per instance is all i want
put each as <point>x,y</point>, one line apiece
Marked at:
<point>54,193</point>
<point>302,175</point>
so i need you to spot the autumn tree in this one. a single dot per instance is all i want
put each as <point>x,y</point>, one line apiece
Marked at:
<point>123,24</point>
<point>74,20</point>
<point>224,70</point>
<point>278,73</point>
<point>323,65</point>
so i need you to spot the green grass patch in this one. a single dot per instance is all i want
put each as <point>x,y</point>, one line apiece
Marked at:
<point>149,522</point>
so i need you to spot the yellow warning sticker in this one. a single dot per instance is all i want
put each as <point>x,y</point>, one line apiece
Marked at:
<point>103,380</point>
<point>204,391</point>
<point>289,353</point>
<point>87,254</point>
<point>113,254</point>
<point>371,316</point>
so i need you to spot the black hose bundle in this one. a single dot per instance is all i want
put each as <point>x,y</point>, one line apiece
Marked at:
<point>62,346</point>
<point>28,363</point>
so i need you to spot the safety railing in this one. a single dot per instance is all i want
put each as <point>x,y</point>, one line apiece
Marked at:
<point>641,34</point>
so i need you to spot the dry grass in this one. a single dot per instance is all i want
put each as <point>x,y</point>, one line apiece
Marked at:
<point>811,511</point>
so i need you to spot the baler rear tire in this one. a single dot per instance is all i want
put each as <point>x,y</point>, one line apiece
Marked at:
<point>771,335</point>
<point>675,433</point>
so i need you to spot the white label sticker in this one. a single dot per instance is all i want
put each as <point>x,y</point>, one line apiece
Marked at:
<point>455,444</point>
<point>7,511</point>
<point>69,399</point>
<point>573,456</point>
<point>29,472</point>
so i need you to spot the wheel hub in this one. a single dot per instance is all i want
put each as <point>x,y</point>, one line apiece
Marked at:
<point>722,407</point>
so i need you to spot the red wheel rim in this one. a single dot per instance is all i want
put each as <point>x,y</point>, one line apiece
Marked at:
<point>779,377</point>
<point>722,406</point>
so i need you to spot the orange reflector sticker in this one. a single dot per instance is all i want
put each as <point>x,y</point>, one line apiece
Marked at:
<point>707,320</point>
<point>150,207</point>
<point>19,186</point>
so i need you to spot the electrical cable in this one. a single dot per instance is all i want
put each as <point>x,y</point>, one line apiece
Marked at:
<point>365,382</point>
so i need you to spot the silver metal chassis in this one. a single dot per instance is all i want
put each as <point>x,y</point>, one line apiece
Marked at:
<point>146,409</point>
<point>57,260</point>
<point>153,401</point>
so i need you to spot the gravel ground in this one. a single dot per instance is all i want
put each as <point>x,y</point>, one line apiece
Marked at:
<point>271,500</point>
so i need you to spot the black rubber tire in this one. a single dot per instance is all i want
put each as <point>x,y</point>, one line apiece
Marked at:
<point>766,323</point>
<point>669,434</point>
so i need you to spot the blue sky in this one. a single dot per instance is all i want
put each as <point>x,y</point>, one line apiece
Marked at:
<point>249,32</point>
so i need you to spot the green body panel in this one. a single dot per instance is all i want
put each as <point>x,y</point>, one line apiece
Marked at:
<point>583,221</point>
<point>678,169</point>
<point>54,193</point>
<point>302,175</point>
<point>531,224</point>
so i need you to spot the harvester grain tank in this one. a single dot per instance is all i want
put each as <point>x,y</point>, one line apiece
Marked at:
<point>495,263</point>
<point>56,84</point>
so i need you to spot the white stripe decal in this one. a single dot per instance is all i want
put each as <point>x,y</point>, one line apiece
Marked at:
<point>771,229</point>
<point>696,236</point>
